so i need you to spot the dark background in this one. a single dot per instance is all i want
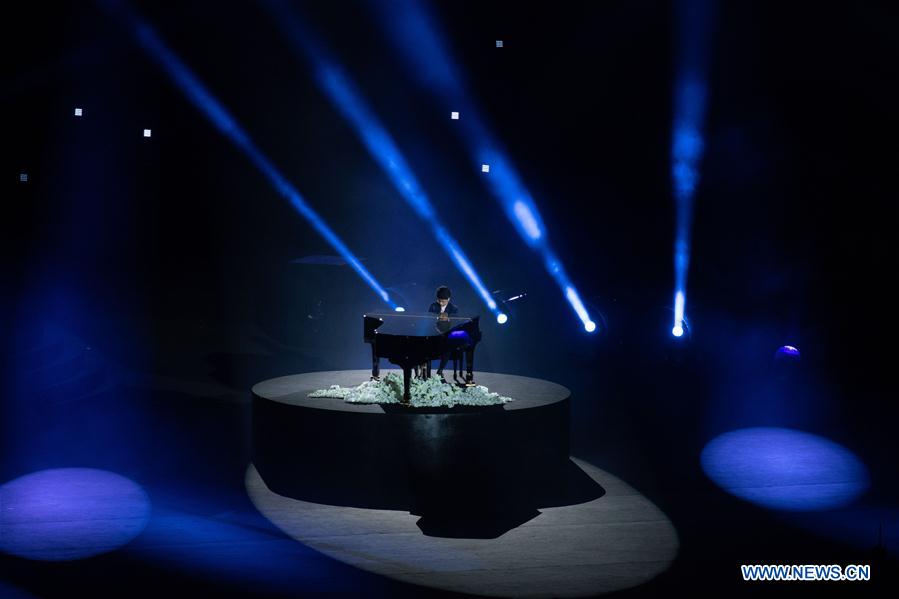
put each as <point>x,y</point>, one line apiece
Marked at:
<point>170,258</point>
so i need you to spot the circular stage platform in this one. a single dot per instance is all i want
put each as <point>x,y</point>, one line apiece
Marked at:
<point>486,467</point>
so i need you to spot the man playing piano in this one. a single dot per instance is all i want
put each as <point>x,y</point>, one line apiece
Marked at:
<point>411,341</point>
<point>442,306</point>
<point>444,309</point>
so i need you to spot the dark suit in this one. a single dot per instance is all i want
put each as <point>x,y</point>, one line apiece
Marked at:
<point>450,309</point>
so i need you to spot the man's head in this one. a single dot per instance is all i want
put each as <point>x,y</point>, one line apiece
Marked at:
<point>443,295</point>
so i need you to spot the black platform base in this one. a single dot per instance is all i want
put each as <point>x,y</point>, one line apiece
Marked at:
<point>467,471</point>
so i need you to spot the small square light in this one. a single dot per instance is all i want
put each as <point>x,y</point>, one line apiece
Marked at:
<point>485,168</point>
<point>23,177</point>
<point>454,116</point>
<point>499,43</point>
<point>147,133</point>
<point>78,112</point>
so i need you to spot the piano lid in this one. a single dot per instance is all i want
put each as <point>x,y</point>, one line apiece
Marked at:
<point>423,324</point>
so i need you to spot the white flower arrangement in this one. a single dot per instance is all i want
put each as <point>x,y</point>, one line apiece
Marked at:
<point>424,393</point>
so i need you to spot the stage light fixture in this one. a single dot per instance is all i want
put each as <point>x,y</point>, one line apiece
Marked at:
<point>399,309</point>
<point>78,112</point>
<point>147,133</point>
<point>589,326</point>
<point>502,318</point>
<point>787,354</point>
<point>454,116</point>
<point>23,177</point>
<point>680,329</point>
<point>679,301</point>
<point>485,168</point>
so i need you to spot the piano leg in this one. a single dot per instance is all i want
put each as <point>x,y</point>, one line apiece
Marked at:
<point>457,368</point>
<point>407,374</point>
<point>469,358</point>
<point>375,364</point>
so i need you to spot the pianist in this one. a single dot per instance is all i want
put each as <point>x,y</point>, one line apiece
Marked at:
<point>444,309</point>
<point>442,306</point>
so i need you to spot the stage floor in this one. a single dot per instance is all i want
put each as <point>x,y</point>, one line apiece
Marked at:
<point>614,542</point>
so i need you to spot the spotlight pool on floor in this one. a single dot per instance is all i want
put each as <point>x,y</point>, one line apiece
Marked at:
<point>784,469</point>
<point>70,513</point>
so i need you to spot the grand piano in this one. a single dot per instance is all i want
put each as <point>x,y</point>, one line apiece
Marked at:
<point>412,341</point>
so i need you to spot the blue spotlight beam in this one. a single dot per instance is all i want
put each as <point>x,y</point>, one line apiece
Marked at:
<point>216,113</point>
<point>420,44</point>
<point>344,95</point>
<point>687,144</point>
